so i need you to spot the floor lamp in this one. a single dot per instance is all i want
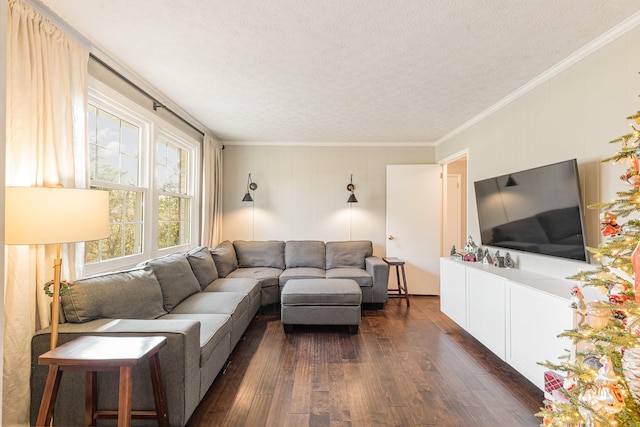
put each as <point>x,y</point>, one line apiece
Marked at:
<point>43,215</point>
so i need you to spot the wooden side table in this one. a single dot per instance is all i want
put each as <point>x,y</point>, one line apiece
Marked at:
<point>94,354</point>
<point>402,291</point>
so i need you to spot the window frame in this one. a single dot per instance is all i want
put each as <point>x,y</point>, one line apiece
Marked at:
<point>152,127</point>
<point>192,185</point>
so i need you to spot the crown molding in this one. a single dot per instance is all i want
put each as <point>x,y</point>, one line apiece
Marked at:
<point>607,37</point>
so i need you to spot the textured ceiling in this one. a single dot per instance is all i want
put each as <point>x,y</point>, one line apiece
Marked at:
<point>336,70</point>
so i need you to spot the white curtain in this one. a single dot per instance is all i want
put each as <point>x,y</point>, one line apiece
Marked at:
<point>211,192</point>
<point>45,146</point>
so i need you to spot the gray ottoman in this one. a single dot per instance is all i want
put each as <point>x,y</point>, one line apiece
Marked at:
<point>321,302</point>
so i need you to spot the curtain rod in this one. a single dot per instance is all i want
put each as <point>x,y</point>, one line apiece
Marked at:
<point>156,104</point>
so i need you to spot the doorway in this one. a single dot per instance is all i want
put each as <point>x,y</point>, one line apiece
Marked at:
<point>454,203</point>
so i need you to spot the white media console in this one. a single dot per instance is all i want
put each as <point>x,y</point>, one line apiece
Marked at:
<point>517,314</point>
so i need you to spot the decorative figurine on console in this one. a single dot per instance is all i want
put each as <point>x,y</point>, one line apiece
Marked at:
<point>508,261</point>
<point>455,255</point>
<point>498,260</point>
<point>479,254</point>
<point>487,259</point>
<point>470,247</point>
<point>470,257</point>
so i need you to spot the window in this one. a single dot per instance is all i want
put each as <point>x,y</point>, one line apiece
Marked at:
<point>174,203</point>
<point>149,169</point>
<point>114,158</point>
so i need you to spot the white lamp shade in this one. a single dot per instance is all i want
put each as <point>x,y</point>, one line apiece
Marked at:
<point>42,215</point>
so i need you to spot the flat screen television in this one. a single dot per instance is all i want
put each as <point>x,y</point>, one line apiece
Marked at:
<point>536,210</point>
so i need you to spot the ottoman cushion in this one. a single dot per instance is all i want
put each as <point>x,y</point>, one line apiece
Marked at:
<point>321,292</point>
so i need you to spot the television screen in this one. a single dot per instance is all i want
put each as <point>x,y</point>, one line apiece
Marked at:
<point>536,210</point>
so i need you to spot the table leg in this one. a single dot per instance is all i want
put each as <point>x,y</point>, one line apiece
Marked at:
<point>158,391</point>
<point>404,281</point>
<point>398,277</point>
<point>49,396</point>
<point>126,396</point>
<point>90,397</point>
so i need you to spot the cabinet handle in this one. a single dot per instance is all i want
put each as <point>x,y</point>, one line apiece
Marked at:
<point>390,237</point>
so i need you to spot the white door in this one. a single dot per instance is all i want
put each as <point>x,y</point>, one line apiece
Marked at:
<point>413,225</point>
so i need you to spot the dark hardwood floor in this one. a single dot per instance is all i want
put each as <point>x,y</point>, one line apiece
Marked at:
<point>406,367</point>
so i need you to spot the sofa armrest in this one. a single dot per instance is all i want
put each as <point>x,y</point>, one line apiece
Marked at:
<point>179,361</point>
<point>379,271</point>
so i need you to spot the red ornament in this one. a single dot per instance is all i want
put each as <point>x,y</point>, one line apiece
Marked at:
<point>609,226</point>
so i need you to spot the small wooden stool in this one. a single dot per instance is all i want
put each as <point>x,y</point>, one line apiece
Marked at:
<point>402,291</point>
<point>94,354</point>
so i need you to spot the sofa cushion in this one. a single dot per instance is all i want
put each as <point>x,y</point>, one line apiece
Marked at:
<point>321,292</point>
<point>202,264</point>
<point>224,256</point>
<point>213,330</point>
<point>301,273</point>
<point>129,294</point>
<point>176,278</point>
<point>266,276</point>
<point>249,287</point>
<point>230,303</point>
<point>260,253</point>
<point>304,253</point>
<point>348,254</point>
<point>362,277</point>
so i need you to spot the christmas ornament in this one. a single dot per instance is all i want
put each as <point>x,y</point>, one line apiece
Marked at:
<point>593,362</point>
<point>616,293</point>
<point>631,175</point>
<point>578,304</point>
<point>607,399</point>
<point>609,225</point>
<point>631,369</point>
<point>585,413</point>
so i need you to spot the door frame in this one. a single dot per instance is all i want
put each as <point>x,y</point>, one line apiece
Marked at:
<point>444,163</point>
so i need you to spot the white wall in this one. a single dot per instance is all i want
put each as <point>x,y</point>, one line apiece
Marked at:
<point>302,191</point>
<point>572,115</point>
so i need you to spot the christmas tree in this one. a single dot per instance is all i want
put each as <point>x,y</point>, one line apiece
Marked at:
<point>601,384</point>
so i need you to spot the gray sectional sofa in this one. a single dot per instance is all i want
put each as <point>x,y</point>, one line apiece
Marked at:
<point>202,301</point>
<point>274,262</point>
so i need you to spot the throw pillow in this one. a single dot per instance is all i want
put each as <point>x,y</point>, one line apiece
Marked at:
<point>129,294</point>
<point>224,256</point>
<point>202,265</point>
<point>176,278</point>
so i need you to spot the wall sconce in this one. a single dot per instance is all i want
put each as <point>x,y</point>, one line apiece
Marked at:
<point>250,186</point>
<point>351,187</point>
